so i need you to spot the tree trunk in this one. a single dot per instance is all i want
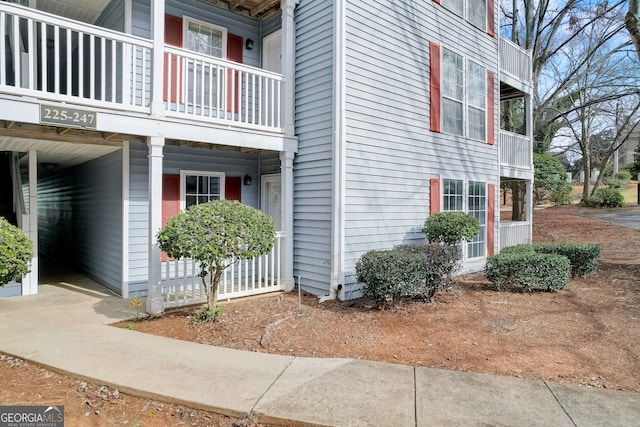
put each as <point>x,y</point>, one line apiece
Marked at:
<point>586,167</point>
<point>518,199</point>
<point>212,288</point>
<point>632,22</point>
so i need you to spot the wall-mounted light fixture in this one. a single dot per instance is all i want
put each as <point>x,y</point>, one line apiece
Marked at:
<point>247,180</point>
<point>249,44</point>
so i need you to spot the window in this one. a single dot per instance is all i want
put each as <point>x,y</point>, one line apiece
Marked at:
<point>474,11</point>
<point>454,197</point>
<point>476,97</point>
<point>452,92</point>
<point>456,110</point>
<point>477,206</point>
<point>200,187</point>
<point>205,38</point>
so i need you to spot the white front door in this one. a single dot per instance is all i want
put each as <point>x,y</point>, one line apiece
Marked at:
<point>271,198</point>
<point>272,52</point>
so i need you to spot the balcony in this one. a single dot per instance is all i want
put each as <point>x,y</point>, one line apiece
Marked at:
<point>52,59</point>
<point>515,65</point>
<point>516,153</point>
<point>514,233</point>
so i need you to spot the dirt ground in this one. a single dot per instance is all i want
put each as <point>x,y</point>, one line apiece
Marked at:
<point>588,334</point>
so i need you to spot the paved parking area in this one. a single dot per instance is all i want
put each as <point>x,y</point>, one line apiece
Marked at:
<point>626,217</point>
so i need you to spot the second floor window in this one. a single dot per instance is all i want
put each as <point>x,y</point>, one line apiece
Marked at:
<point>474,11</point>
<point>462,77</point>
<point>205,38</point>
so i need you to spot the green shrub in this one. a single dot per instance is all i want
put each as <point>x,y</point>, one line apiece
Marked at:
<point>407,271</point>
<point>16,252</point>
<point>584,258</point>
<point>450,227</point>
<point>623,176</point>
<point>216,234</point>
<point>533,271</point>
<point>605,197</point>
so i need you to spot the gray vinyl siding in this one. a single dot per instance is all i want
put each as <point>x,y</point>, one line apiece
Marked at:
<point>313,163</point>
<point>175,160</point>
<point>112,16</point>
<point>391,153</point>
<point>80,218</point>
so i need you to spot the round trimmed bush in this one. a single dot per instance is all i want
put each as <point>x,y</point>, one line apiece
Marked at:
<point>16,252</point>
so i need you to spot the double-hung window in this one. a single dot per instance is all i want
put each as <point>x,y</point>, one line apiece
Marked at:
<point>200,187</point>
<point>463,115</point>
<point>205,38</point>
<point>469,197</point>
<point>474,11</point>
<point>452,92</point>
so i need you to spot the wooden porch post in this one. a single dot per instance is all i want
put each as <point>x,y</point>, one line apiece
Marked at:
<point>157,66</point>
<point>288,64</point>
<point>154,296</point>
<point>30,281</point>
<point>286,181</point>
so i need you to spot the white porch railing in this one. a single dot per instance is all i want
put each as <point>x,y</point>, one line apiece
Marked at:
<point>514,60</point>
<point>514,233</point>
<point>516,150</point>
<point>181,284</point>
<point>57,59</point>
<point>220,90</point>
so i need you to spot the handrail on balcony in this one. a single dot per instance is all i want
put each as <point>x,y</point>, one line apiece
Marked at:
<point>515,60</point>
<point>220,90</point>
<point>58,59</point>
<point>516,150</point>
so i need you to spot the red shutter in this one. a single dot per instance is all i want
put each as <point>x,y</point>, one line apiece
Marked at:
<point>437,1</point>
<point>234,53</point>
<point>491,219</point>
<point>491,108</point>
<point>233,188</point>
<point>173,37</point>
<point>434,195</point>
<point>170,200</point>
<point>434,77</point>
<point>491,18</point>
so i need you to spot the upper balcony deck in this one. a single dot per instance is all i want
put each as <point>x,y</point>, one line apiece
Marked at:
<point>515,66</point>
<point>47,59</point>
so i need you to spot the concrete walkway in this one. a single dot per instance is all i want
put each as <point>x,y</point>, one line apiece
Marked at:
<point>65,328</point>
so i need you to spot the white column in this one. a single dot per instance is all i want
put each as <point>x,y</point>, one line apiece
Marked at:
<point>286,180</point>
<point>125,219</point>
<point>529,208</point>
<point>288,64</point>
<point>154,297</point>
<point>157,66</point>
<point>30,281</point>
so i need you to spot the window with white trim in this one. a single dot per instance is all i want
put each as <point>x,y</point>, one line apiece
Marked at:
<point>205,38</point>
<point>469,197</point>
<point>464,116</point>
<point>477,206</point>
<point>200,187</point>
<point>474,11</point>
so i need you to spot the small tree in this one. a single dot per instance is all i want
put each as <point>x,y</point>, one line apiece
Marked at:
<point>550,180</point>
<point>16,252</point>
<point>216,234</point>
<point>448,228</point>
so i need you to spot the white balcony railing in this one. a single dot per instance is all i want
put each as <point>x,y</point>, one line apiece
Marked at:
<point>515,60</point>
<point>58,59</point>
<point>216,89</point>
<point>514,233</point>
<point>516,150</point>
<point>181,284</point>
<point>50,58</point>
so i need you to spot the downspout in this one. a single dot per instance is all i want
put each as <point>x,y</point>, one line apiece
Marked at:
<point>336,289</point>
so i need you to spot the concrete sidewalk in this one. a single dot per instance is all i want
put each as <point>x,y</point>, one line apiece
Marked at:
<point>64,327</point>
